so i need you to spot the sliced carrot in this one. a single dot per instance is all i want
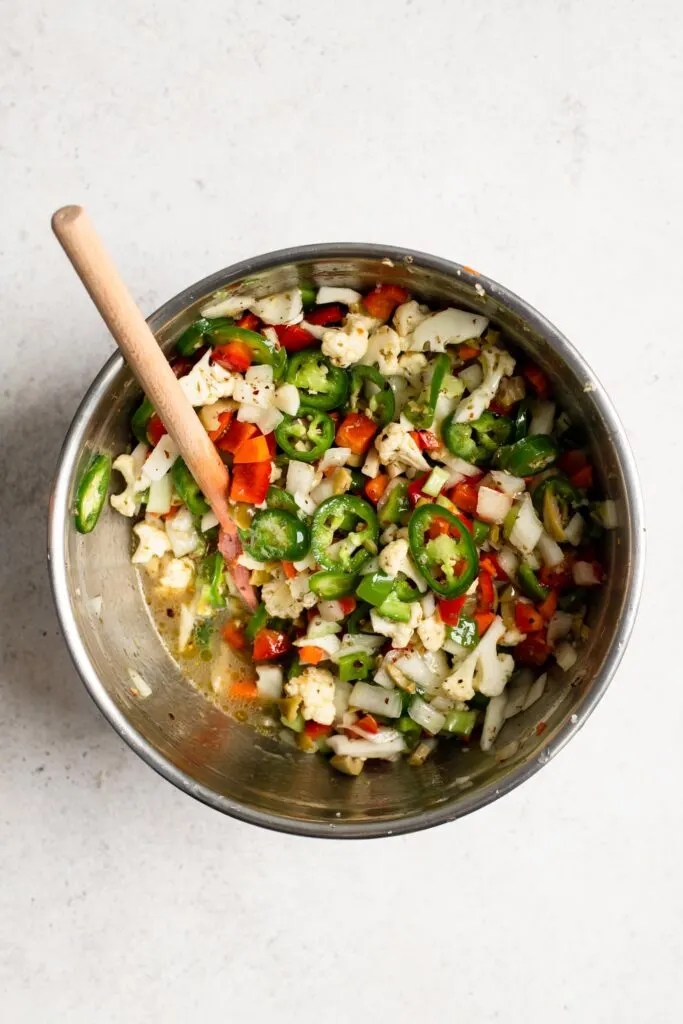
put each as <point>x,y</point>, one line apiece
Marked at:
<point>224,419</point>
<point>233,634</point>
<point>368,724</point>
<point>311,655</point>
<point>255,449</point>
<point>237,433</point>
<point>289,570</point>
<point>376,488</point>
<point>468,352</point>
<point>548,607</point>
<point>483,621</point>
<point>356,432</point>
<point>243,689</point>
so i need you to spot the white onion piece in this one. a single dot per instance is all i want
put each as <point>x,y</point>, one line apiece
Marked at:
<point>607,514</point>
<point>226,305</point>
<point>549,550</point>
<point>536,691</point>
<point>426,716</point>
<point>94,606</point>
<point>328,293</point>
<point>559,627</point>
<point>318,626</point>
<point>507,483</point>
<point>317,330</point>
<point>508,561</point>
<point>342,692</point>
<point>457,464</point>
<point>160,494</point>
<point>382,678</point>
<point>366,642</point>
<point>493,721</point>
<point>329,644</point>
<point>376,699</point>
<point>322,492</point>
<point>585,575</point>
<point>565,656</point>
<point>330,611</point>
<point>526,532</point>
<point>366,748</point>
<point>448,327</point>
<point>269,679</point>
<point>162,458</point>
<point>472,376</point>
<point>573,531</point>
<point>518,691</point>
<point>415,667</point>
<point>542,418</point>
<point>492,506</point>
<point>334,457</point>
<point>139,684</point>
<point>287,399</point>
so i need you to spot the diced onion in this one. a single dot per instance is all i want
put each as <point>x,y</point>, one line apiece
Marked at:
<point>492,506</point>
<point>226,305</point>
<point>162,458</point>
<point>317,330</point>
<point>318,626</point>
<point>426,716</point>
<point>329,644</point>
<point>139,684</point>
<point>507,483</point>
<point>331,611</point>
<point>559,626</point>
<point>472,376</point>
<point>517,692</point>
<point>347,296</point>
<point>565,656</point>
<point>536,691</point>
<point>549,550</point>
<point>334,457</point>
<point>160,494</point>
<point>585,575</point>
<point>527,530</point>
<point>269,681</point>
<point>607,514</point>
<point>324,490</point>
<point>435,482</point>
<point>493,721</point>
<point>573,531</point>
<point>342,692</point>
<point>458,465</point>
<point>287,399</point>
<point>377,700</point>
<point>208,521</point>
<point>542,418</point>
<point>366,748</point>
<point>415,667</point>
<point>428,602</point>
<point>508,561</point>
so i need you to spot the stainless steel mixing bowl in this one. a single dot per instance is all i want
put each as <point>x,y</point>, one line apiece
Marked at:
<point>223,763</point>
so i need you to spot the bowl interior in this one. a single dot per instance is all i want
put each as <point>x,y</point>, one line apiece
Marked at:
<point>226,764</point>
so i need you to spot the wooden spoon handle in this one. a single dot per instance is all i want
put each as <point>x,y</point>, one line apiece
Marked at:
<point>93,265</point>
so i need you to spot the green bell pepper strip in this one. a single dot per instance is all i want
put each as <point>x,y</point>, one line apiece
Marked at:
<point>395,508</point>
<point>140,419</point>
<point>279,498</point>
<point>530,584</point>
<point>361,613</point>
<point>212,574</point>
<point>394,608</point>
<point>276,535</point>
<point>355,665</point>
<point>358,481</point>
<point>222,331</point>
<point>375,588</point>
<point>330,585</point>
<point>188,488</point>
<point>465,632</point>
<point>193,338</point>
<point>321,385</point>
<point>460,723</point>
<point>406,590</point>
<point>476,441</point>
<point>528,456</point>
<point>313,431</point>
<point>572,600</point>
<point>336,514</point>
<point>522,420</point>
<point>308,295</point>
<point>449,562</point>
<point>92,493</point>
<point>420,411</point>
<point>412,732</point>
<point>480,531</point>
<point>381,405</point>
<point>256,622</point>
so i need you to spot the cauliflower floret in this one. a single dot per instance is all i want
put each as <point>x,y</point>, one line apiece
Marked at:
<point>384,348</point>
<point>207,382</point>
<point>181,533</point>
<point>408,316</point>
<point>329,293</point>
<point>484,669</point>
<point>286,599</point>
<point>281,308</point>
<point>395,558</point>
<point>496,364</point>
<point>131,469</point>
<point>348,344</point>
<point>449,327</point>
<point>177,574</point>
<point>396,447</point>
<point>412,365</point>
<point>432,633</point>
<point>315,686</point>
<point>153,543</point>
<point>401,633</point>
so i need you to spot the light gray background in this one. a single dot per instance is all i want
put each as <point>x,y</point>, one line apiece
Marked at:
<point>540,142</point>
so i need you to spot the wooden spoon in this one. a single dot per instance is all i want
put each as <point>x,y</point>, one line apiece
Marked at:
<point>93,265</point>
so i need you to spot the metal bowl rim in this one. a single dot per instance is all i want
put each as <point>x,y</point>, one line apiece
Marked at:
<point>59,510</point>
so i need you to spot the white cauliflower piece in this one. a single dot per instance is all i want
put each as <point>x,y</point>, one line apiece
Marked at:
<point>483,669</point>
<point>221,304</point>
<point>384,348</point>
<point>396,558</point>
<point>395,446</point>
<point>177,575</point>
<point>407,316</point>
<point>281,308</point>
<point>412,365</point>
<point>401,633</point>
<point>286,599</point>
<point>449,327</point>
<point>181,533</point>
<point>207,382</point>
<point>315,686</point>
<point>496,365</point>
<point>348,344</point>
<point>131,469</point>
<point>432,633</point>
<point>153,543</point>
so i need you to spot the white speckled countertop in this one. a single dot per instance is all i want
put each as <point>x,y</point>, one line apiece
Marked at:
<point>539,142</point>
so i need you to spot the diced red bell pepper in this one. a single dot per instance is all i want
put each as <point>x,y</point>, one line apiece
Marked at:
<point>236,434</point>
<point>356,432</point>
<point>368,724</point>
<point>583,478</point>
<point>233,634</point>
<point>572,461</point>
<point>483,621</point>
<point>485,593</point>
<point>426,440</point>
<point>327,315</point>
<point>224,419</point>
<point>535,650</point>
<point>155,429</point>
<point>314,730</point>
<point>233,356</point>
<point>527,618</point>
<point>249,322</point>
<point>464,495</point>
<point>537,379</point>
<point>450,608</point>
<point>294,337</point>
<point>272,444</point>
<point>270,643</point>
<point>383,300</point>
<point>255,449</point>
<point>250,482</point>
<point>347,604</point>
<point>415,488</point>
<point>560,576</point>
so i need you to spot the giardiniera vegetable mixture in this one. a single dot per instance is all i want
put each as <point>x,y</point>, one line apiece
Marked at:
<point>416,523</point>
